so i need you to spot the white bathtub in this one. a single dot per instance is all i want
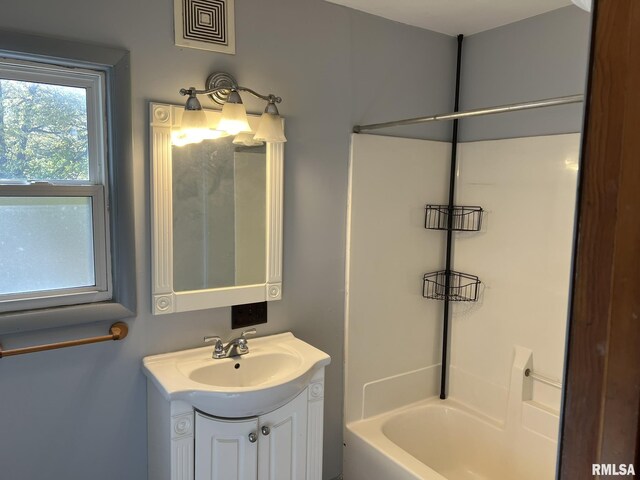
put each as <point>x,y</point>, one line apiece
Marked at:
<point>442,439</point>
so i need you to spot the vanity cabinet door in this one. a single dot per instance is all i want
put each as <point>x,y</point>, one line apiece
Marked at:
<point>226,449</point>
<point>282,449</point>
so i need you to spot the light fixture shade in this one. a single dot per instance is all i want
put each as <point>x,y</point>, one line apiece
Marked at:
<point>247,139</point>
<point>270,129</point>
<point>192,119</point>
<point>194,128</point>
<point>234,119</point>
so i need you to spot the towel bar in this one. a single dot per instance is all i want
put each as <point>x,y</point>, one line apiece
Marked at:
<point>117,331</point>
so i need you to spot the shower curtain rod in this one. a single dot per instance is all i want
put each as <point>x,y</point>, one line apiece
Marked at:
<point>514,107</point>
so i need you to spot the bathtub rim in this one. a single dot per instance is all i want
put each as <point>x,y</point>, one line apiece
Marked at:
<point>371,432</point>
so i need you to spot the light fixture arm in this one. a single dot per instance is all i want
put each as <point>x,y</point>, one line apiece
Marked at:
<point>219,86</point>
<point>271,98</point>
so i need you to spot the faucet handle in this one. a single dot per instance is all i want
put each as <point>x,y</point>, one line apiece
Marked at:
<point>243,346</point>
<point>251,331</point>
<point>218,347</point>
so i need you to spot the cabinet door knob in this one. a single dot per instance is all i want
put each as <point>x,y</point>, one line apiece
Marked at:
<point>266,430</point>
<point>253,437</point>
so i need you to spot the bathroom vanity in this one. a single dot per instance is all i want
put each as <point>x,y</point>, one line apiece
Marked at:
<point>252,417</point>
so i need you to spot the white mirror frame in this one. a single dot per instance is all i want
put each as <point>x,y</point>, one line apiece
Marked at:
<point>164,118</point>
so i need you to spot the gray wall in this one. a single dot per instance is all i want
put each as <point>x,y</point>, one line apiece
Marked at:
<point>539,57</point>
<point>80,413</point>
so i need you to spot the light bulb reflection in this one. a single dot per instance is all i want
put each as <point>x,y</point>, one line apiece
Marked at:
<point>187,136</point>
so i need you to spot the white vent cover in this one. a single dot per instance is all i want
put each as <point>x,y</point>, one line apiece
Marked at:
<point>205,24</point>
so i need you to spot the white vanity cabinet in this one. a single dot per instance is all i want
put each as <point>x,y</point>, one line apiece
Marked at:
<point>269,447</point>
<point>186,444</point>
<point>257,416</point>
<point>226,449</point>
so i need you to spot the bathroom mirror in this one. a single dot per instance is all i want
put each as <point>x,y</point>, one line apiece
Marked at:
<point>216,219</point>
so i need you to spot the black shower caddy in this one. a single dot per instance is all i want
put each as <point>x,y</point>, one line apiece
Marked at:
<point>451,286</point>
<point>447,284</point>
<point>461,218</point>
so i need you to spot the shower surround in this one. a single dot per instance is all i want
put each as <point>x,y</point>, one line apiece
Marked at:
<point>527,187</point>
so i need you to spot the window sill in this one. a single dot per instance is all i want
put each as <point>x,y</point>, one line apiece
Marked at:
<point>16,322</point>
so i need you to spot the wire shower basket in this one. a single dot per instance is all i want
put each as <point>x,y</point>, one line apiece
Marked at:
<point>463,218</point>
<point>461,287</point>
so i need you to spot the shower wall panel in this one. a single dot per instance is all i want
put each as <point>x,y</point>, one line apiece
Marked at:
<point>393,335</point>
<point>523,257</point>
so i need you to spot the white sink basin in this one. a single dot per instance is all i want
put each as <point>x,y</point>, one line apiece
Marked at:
<point>261,368</point>
<point>276,369</point>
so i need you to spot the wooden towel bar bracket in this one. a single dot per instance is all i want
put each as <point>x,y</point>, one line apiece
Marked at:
<point>117,331</point>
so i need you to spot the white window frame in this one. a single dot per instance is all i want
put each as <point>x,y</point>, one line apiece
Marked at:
<point>95,188</point>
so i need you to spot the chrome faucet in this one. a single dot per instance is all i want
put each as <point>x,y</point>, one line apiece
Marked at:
<point>235,347</point>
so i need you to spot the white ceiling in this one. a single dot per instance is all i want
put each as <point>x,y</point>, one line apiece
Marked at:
<point>455,16</point>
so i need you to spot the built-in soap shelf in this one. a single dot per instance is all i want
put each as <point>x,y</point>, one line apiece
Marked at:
<point>459,218</point>
<point>449,285</point>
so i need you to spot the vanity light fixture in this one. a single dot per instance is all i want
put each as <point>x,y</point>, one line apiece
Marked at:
<point>270,127</point>
<point>223,89</point>
<point>234,116</point>
<point>247,139</point>
<point>194,127</point>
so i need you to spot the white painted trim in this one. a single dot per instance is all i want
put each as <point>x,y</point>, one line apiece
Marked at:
<point>218,297</point>
<point>315,426</point>
<point>275,166</point>
<point>164,117</point>
<point>161,209</point>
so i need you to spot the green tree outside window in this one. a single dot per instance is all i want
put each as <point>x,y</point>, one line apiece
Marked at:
<point>43,132</point>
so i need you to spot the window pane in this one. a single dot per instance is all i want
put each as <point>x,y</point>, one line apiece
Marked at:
<point>46,243</point>
<point>43,132</point>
